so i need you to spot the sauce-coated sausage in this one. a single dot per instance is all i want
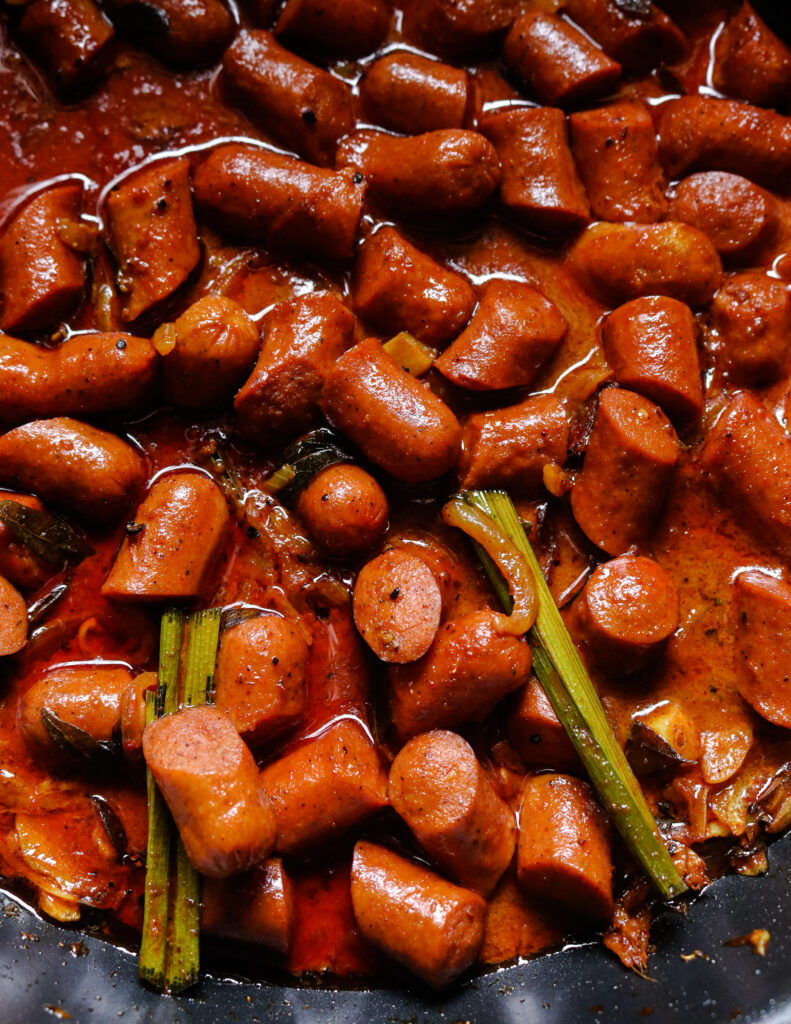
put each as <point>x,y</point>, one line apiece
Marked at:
<point>751,62</point>
<point>336,28</point>
<point>18,563</point>
<point>13,619</point>
<point>256,906</point>
<point>535,731</point>
<point>345,511</point>
<point>751,314</point>
<point>448,26</point>
<point>761,615</point>
<point>409,93</point>
<point>639,41</point>
<point>71,39</point>
<point>187,35</point>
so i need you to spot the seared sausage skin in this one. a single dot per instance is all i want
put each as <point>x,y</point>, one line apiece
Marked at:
<point>563,856</point>
<point>335,28</point>
<point>637,41</point>
<point>449,27</point>
<point>751,314</point>
<point>41,276</point>
<point>212,786</point>
<point>302,340</point>
<point>325,787</point>
<point>441,791</point>
<point>345,511</point>
<point>448,171</point>
<point>89,374</point>
<point>535,731</point>
<point>397,287</point>
<point>72,40</point>
<point>559,63</point>
<point>152,233</point>
<point>628,468</point>
<point>184,518</point>
<point>409,93</point>
<point>751,62</point>
<point>260,677</point>
<point>88,471</point>
<point>255,906</point>
<point>432,927</point>
<point>395,420</point>
<point>186,35</point>
<point>469,668</point>
<point>279,202</point>
<point>539,184</point>
<point>305,109</point>
<point>13,619</point>
<point>761,616</point>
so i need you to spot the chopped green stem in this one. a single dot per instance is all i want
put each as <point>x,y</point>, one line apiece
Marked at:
<point>570,691</point>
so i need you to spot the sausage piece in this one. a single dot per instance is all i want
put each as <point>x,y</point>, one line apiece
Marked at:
<point>651,345</point>
<point>302,339</point>
<point>535,731</point>
<point>85,696</point>
<point>212,786</point>
<point>510,447</point>
<point>152,233</point>
<point>409,93</point>
<point>619,262</point>
<point>449,171</point>
<point>279,202</point>
<point>751,62</point>
<point>752,316</point>
<point>432,927</point>
<point>540,185</point>
<point>13,619</point>
<point>628,608</point>
<point>739,217</point>
<point>628,468</point>
<point>637,41</point>
<point>397,606</point>
<point>451,27</point>
<point>397,287</point>
<point>394,419</point>
<point>468,669</point>
<point>303,107</point>
<point>335,28</point>
<point>747,456</point>
<point>41,276</point>
<point>256,906</point>
<point>184,518</point>
<point>345,511</point>
<point>91,472</point>
<point>563,855</point>
<point>325,787</point>
<point>617,157</point>
<point>560,64</point>
<point>440,790</point>
<point>187,35</point>
<point>72,40</point>
<point>761,614</point>
<point>89,374</point>
<point>18,563</point>
<point>514,330</point>
<point>259,681</point>
<point>698,133</point>
<point>215,344</point>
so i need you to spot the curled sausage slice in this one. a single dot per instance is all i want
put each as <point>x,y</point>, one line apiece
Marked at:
<point>563,856</point>
<point>89,471</point>
<point>409,93</point>
<point>697,133</point>
<point>88,374</point>
<point>468,669</point>
<point>184,519</point>
<point>86,696</point>
<point>432,927</point>
<point>440,790</point>
<point>638,40</point>
<point>761,615</point>
<point>395,420</point>
<point>751,313</point>
<point>397,606</point>
<point>540,184</point>
<point>747,456</point>
<point>301,341</point>
<point>559,63</point>
<point>338,28</point>
<point>41,276</point>
<point>510,447</point>
<point>71,39</point>
<point>445,172</point>
<point>535,731</point>
<point>616,153</point>
<point>18,563</point>
<point>623,261</point>
<point>183,34</point>
<point>751,62</point>
<point>651,345</point>
<point>345,511</point>
<point>259,681</point>
<point>629,465</point>
<point>152,233</point>
<point>305,108</point>
<point>280,202</point>
<point>13,619</point>
<point>628,608</point>
<point>512,332</point>
<point>325,787</point>
<point>255,906</point>
<point>212,786</point>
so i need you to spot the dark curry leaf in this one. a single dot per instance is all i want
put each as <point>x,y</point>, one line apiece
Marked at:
<point>235,616</point>
<point>74,740</point>
<point>112,824</point>
<point>39,610</point>
<point>307,457</point>
<point>639,8</point>
<point>47,535</point>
